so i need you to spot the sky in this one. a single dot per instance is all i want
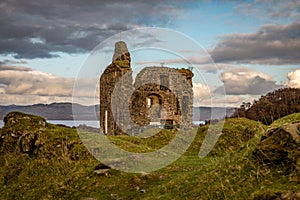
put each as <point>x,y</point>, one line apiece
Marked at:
<point>253,46</point>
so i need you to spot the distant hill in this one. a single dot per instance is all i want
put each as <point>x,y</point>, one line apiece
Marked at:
<point>54,111</point>
<point>63,111</point>
<point>207,113</point>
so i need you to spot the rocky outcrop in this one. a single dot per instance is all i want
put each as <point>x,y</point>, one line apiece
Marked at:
<point>31,135</point>
<point>21,132</point>
<point>281,145</point>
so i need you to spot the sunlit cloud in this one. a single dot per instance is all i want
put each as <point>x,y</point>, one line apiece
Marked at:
<point>294,79</point>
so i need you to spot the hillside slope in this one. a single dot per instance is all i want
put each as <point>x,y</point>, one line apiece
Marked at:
<point>43,161</point>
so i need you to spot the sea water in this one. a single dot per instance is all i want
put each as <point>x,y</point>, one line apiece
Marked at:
<point>94,124</point>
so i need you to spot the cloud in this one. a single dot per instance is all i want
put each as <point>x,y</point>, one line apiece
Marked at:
<point>234,99</point>
<point>289,9</point>
<point>294,79</point>
<point>271,44</point>
<point>237,100</point>
<point>12,62</point>
<point>31,29</point>
<point>201,94</point>
<point>243,81</point>
<point>8,99</point>
<point>33,82</point>
<point>272,9</point>
<point>13,68</point>
<point>206,96</point>
<point>22,85</point>
<point>218,67</point>
<point>200,90</point>
<point>196,59</point>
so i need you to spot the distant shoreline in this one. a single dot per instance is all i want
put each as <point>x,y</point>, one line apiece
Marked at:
<point>89,123</point>
<point>64,111</point>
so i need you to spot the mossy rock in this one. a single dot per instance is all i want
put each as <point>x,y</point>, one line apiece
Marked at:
<point>281,145</point>
<point>29,134</point>
<point>21,132</point>
<point>19,118</point>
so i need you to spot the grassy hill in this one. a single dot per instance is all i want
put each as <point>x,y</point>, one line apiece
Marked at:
<point>43,161</point>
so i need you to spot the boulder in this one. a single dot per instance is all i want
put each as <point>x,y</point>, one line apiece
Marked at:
<point>30,135</point>
<point>21,132</point>
<point>281,144</point>
<point>14,118</point>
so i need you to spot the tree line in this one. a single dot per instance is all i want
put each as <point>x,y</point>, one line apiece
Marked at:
<point>273,105</point>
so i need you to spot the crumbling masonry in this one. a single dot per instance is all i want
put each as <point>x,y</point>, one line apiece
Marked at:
<point>158,96</point>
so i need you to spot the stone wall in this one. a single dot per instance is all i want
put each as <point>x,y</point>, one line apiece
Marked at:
<point>159,95</point>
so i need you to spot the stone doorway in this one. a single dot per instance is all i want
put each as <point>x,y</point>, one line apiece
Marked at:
<point>154,107</point>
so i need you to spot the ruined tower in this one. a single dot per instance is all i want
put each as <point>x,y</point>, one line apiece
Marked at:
<point>159,96</point>
<point>117,73</point>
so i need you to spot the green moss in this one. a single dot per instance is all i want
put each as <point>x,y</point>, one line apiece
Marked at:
<point>146,144</point>
<point>122,63</point>
<point>235,135</point>
<point>63,169</point>
<point>285,120</point>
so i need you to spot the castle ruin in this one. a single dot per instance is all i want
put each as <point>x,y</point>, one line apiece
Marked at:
<point>158,96</point>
